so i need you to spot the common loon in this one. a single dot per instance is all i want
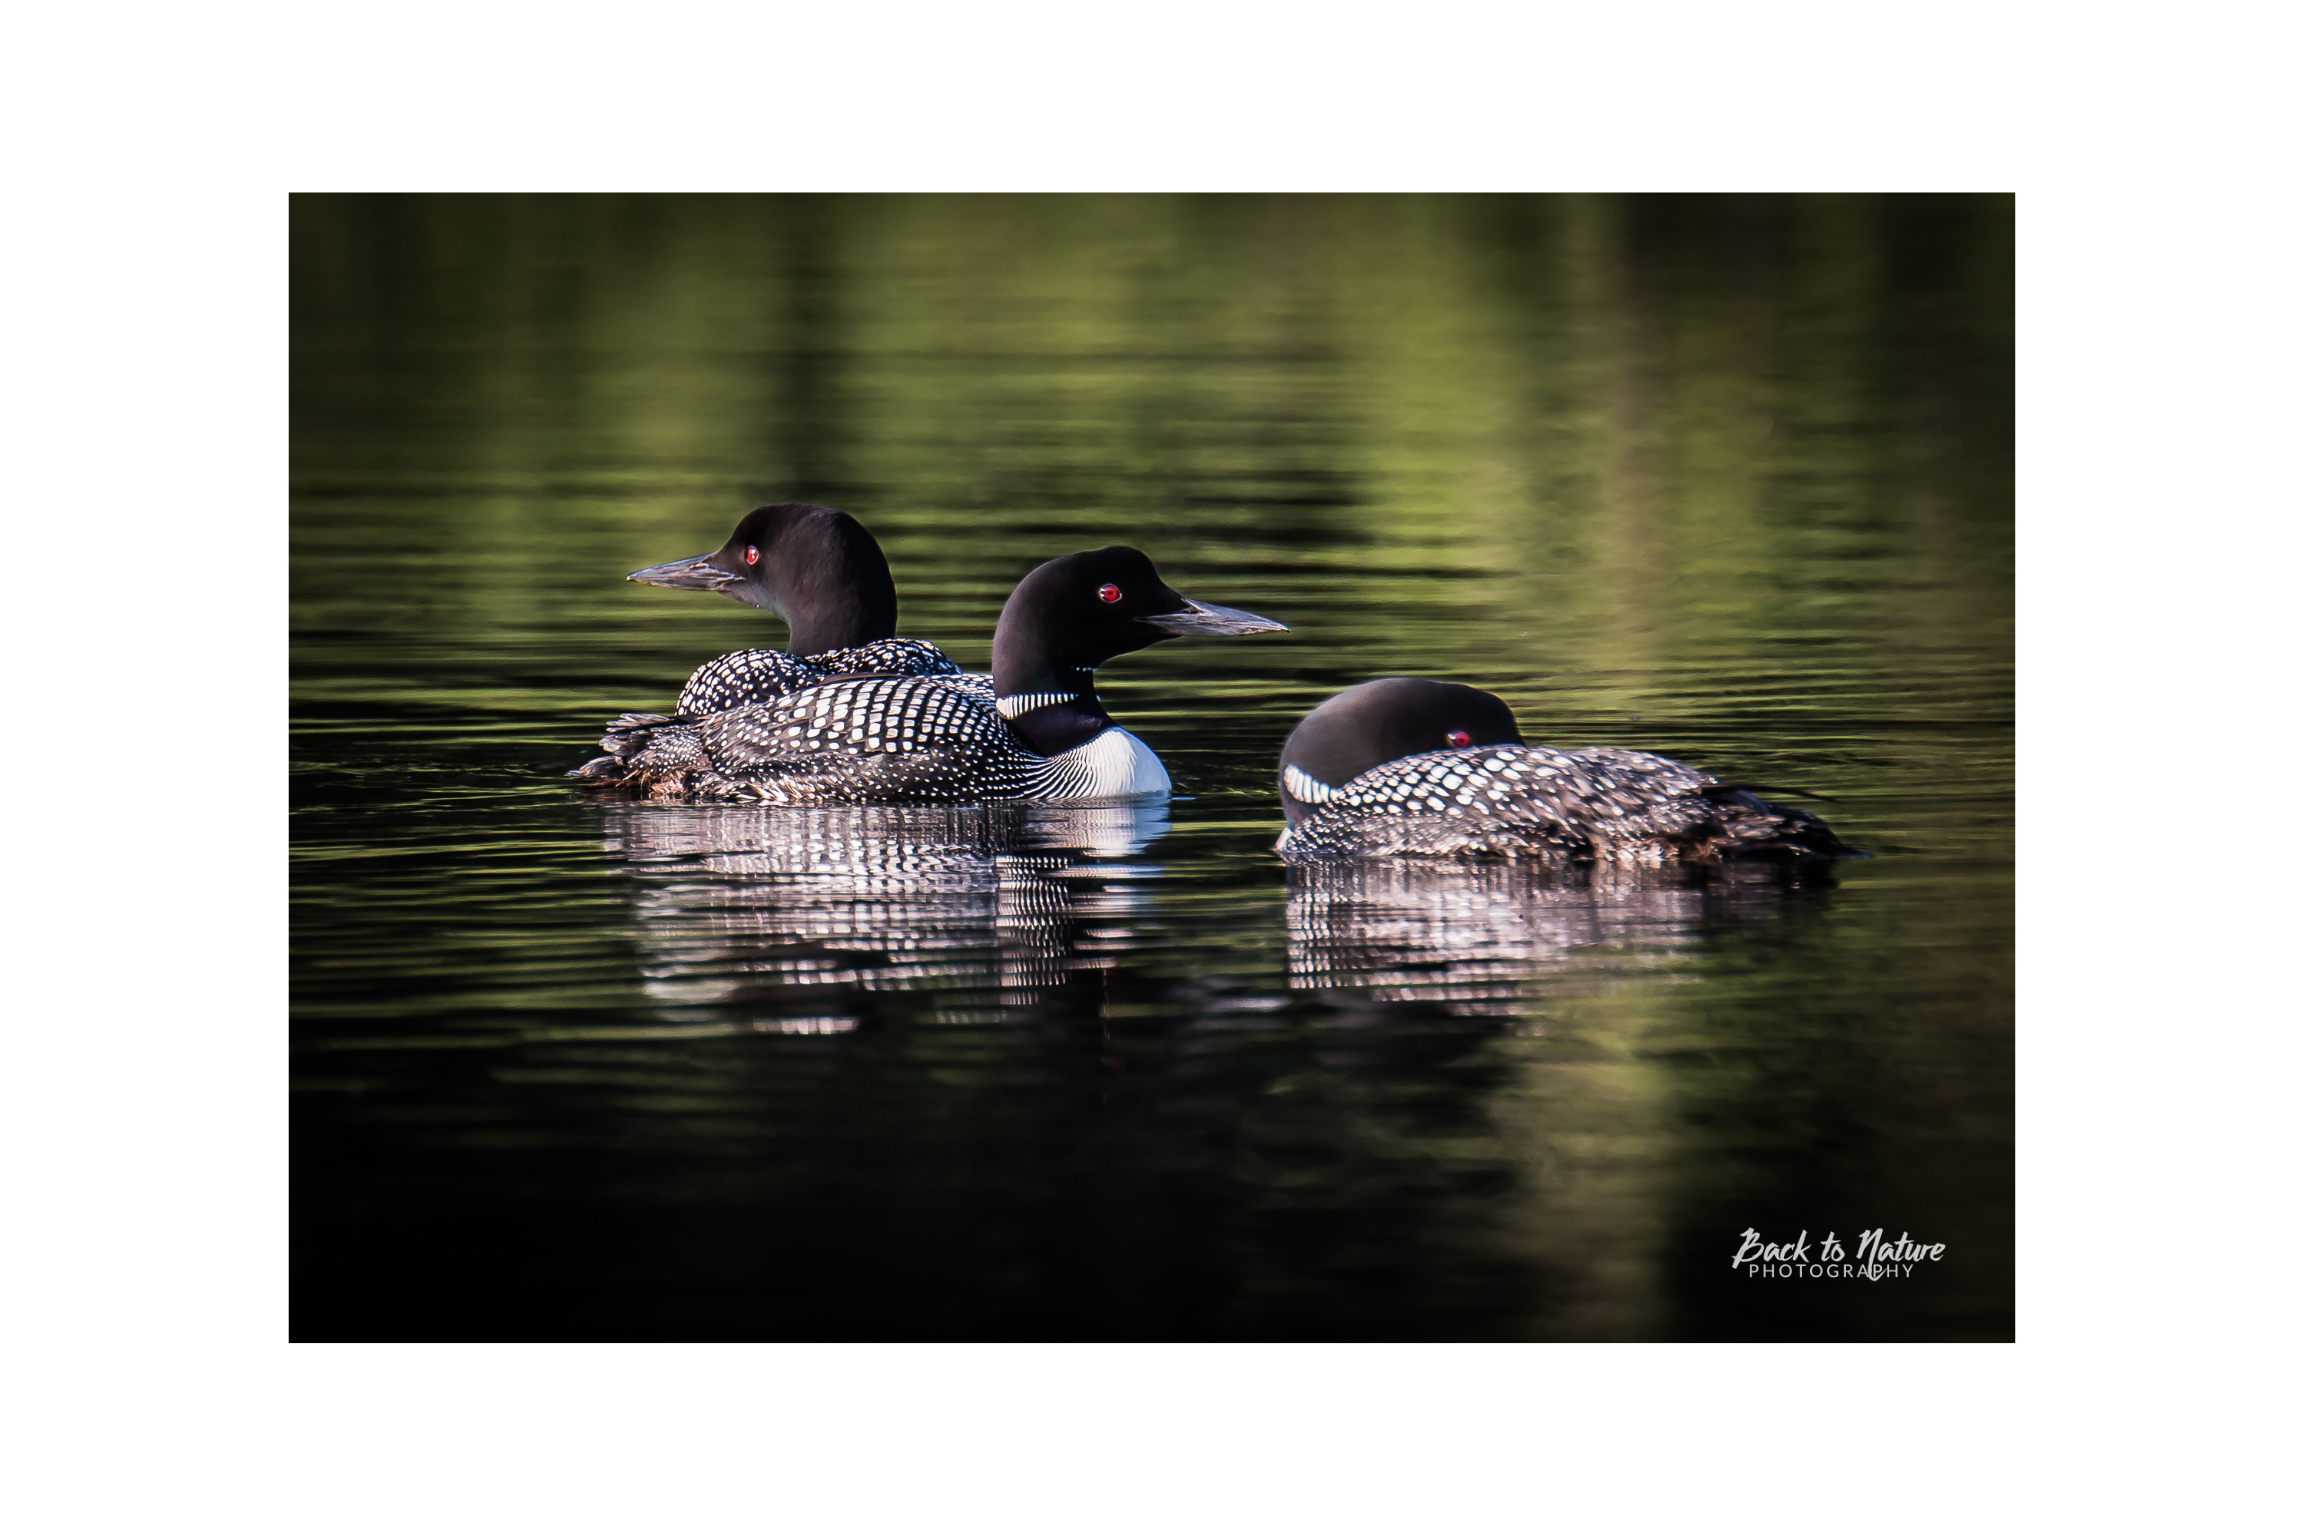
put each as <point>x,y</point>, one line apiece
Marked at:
<point>1406,766</point>
<point>883,740</point>
<point>822,573</point>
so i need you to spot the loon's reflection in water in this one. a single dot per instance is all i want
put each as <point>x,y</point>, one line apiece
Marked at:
<point>1474,937</point>
<point>785,910</point>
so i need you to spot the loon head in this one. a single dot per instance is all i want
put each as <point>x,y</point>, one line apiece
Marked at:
<point>813,567</point>
<point>1073,614</point>
<point>1372,724</point>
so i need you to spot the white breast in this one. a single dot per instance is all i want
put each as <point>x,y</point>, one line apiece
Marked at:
<point>1111,763</point>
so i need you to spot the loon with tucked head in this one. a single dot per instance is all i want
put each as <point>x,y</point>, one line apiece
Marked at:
<point>1410,767</point>
<point>822,573</point>
<point>874,740</point>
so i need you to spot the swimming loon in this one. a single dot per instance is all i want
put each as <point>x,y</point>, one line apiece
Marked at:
<point>1406,766</point>
<point>822,573</point>
<point>878,740</point>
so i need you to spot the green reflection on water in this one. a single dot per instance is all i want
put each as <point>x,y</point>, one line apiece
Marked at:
<point>1726,478</point>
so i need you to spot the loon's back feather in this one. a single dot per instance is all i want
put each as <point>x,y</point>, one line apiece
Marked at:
<point>871,740</point>
<point>1546,805</point>
<point>755,677</point>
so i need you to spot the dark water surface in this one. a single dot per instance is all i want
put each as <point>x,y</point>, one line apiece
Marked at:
<point>1727,479</point>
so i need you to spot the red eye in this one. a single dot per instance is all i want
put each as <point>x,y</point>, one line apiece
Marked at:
<point>1459,738</point>
<point>1108,593</point>
<point>751,554</point>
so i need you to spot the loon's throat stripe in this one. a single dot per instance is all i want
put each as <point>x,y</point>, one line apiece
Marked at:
<point>1305,787</point>
<point>1024,703</point>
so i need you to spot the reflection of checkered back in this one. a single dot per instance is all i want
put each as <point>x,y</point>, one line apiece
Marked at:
<point>1472,936</point>
<point>778,908</point>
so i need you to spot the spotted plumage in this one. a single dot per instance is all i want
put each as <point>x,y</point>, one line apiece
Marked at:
<point>1348,797</point>
<point>864,741</point>
<point>754,677</point>
<point>1542,805</point>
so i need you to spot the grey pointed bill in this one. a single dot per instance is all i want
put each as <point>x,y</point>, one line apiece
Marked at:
<point>1209,619</point>
<point>699,574</point>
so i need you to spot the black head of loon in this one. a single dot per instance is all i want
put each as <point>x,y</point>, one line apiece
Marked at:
<point>1379,721</point>
<point>1073,614</point>
<point>815,568</point>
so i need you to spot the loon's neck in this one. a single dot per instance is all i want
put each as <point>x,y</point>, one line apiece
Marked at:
<point>836,621</point>
<point>1055,711</point>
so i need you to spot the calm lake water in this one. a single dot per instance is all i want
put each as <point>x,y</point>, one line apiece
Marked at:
<point>1728,479</point>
